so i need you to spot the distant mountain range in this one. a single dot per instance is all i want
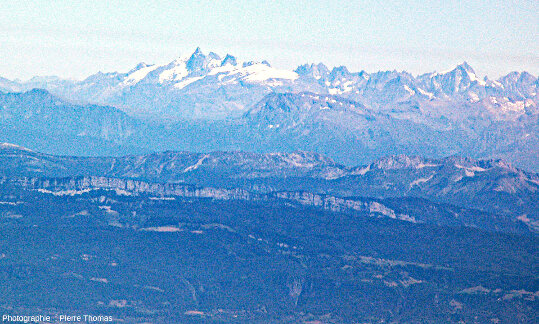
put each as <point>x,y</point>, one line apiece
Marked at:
<point>205,102</point>
<point>208,86</point>
<point>344,129</point>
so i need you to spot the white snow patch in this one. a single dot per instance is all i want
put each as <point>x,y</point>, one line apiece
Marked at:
<point>334,91</point>
<point>13,146</point>
<point>196,165</point>
<point>177,72</point>
<point>472,168</point>
<point>185,82</point>
<point>362,171</point>
<point>473,97</point>
<point>425,93</point>
<point>420,180</point>
<point>138,75</point>
<point>426,165</point>
<point>410,91</point>
<point>227,68</point>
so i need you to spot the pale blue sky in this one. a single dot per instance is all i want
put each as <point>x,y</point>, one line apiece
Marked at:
<point>78,38</point>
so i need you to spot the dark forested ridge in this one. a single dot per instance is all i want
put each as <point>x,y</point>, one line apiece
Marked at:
<point>269,238</point>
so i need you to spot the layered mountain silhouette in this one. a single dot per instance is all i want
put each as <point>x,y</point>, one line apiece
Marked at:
<point>208,86</point>
<point>346,130</point>
<point>485,193</point>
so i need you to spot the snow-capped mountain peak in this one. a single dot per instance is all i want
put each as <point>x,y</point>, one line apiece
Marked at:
<point>448,83</point>
<point>198,61</point>
<point>229,59</point>
<point>199,85</point>
<point>464,66</point>
<point>467,71</point>
<point>138,73</point>
<point>196,67</point>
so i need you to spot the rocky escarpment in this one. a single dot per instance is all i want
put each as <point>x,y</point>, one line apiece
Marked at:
<point>80,185</point>
<point>411,209</point>
<point>489,187</point>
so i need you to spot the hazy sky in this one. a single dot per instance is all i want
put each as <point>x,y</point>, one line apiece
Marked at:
<point>78,38</point>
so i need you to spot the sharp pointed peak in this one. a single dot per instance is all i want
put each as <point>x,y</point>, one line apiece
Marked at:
<point>186,57</point>
<point>461,67</point>
<point>196,54</point>
<point>196,61</point>
<point>197,51</point>
<point>229,59</point>
<point>466,67</point>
